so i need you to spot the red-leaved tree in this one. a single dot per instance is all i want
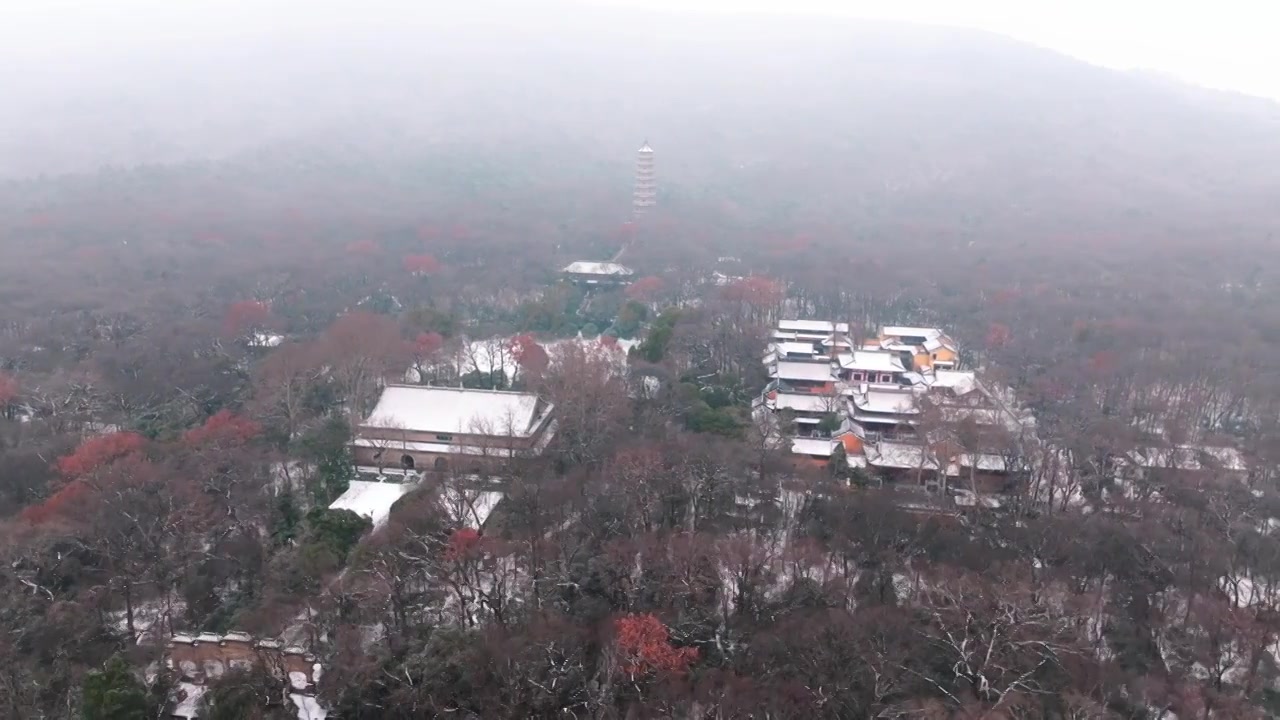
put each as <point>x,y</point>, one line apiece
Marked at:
<point>463,542</point>
<point>428,344</point>
<point>245,316</point>
<point>421,264</point>
<point>92,455</point>
<point>998,335</point>
<point>529,355</point>
<point>363,248</point>
<point>757,297</point>
<point>646,289</point>
<point>8,391</point>
<point>98,451</point>
<point>644,647</point>
<point>61,503</point>
<point>224,428</point>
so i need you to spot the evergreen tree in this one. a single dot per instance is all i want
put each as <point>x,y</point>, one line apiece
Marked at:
<point>114,693</point>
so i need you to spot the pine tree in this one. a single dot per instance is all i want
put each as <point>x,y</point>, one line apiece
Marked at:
<point>115,693</point>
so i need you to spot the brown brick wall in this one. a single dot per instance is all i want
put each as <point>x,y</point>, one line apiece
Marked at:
<point>201,660</point>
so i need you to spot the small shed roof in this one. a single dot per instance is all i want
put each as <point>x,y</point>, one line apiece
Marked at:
<point>905,331</point>
<point>816,447</point>
<point>598,268</point>
<point>813,326</point>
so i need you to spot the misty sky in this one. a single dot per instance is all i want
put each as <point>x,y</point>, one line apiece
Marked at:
<point>1226,44</point>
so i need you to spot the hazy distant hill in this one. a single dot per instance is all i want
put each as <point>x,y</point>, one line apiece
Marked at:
<point>791,121</point>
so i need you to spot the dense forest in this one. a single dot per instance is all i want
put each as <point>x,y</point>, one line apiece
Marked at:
<point>213,264</point>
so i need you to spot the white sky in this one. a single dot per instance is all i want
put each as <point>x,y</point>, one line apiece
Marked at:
<point>1228,44</point>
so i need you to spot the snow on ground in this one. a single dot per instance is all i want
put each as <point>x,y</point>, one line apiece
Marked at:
<point>469,508</point>
<point>298,680</point>
<point>189,705</point>
<point>287,475</point>
<point>494,354</point>
<point>371,499</point>
<point>308,707</point>
<point>265,340</point>
<point>152,619</point>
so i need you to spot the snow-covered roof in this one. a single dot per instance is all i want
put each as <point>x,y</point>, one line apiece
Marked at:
<point>811,327</point>
<point>804,403</point>
<point>959,382</point>
<point>371,499</point>
<point>966,498</point>
<point>818,372</point>
<point>818,447</point>
<point>871,361</point>
<point>849,427</point>
<point>795,348</point>
<point>645,148</point>
<point>495,449</point>
<point>987,462</point>
<point>457,410</point>
<point>583,267</point>
<point>900,456</point>
<point>904,331</point>
<point>886,401</point>
<point>899,347</point>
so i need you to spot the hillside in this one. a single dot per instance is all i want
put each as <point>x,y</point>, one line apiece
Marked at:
<point>793,119</point>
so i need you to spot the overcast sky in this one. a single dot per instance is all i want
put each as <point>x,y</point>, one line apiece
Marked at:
<point>1227,44</point>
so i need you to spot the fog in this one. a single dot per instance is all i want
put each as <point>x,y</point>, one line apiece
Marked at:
<point>162,82</point>
<point>1227,45</point>
<point>622,359</point>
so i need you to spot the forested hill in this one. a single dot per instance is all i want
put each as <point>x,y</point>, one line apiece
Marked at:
<point>783,120</point>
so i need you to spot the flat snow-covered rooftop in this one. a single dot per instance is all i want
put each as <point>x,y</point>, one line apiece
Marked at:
<point>812,326</point>
<point>904,331</point>
<point>817,447</point>
<point>597,268</point>
<point>960,382</point>
<point>457,410</point>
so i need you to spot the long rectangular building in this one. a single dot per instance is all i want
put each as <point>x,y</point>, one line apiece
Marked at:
<point>423,427</point>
